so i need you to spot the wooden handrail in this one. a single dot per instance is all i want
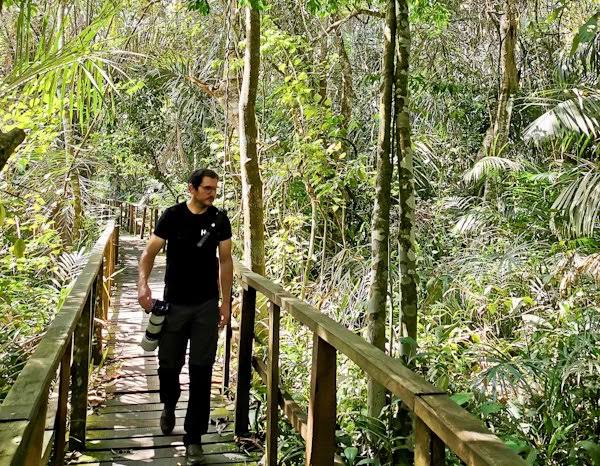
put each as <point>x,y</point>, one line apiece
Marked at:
<point>68,343</point>
<point>138,219</point>
<point>439,422</point>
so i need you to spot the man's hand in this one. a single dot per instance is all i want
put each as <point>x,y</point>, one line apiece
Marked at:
<point>225,312</point>
<point>145,297</point>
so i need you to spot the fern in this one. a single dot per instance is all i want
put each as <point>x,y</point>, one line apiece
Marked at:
<point>488,165</point>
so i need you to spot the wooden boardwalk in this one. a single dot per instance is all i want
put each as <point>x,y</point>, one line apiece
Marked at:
<point>125,430</point>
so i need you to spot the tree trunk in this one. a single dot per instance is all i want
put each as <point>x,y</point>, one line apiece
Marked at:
<point>407,259</point>
<point>8,143</point>
<point>497,136</point>
<point>252,196</point>
<point>380,229</point>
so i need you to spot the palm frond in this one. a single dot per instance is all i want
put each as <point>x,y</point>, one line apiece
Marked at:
<point>580,113</point>
<point>488,165</point>
<point>578,206</point>
<point>69,266</point>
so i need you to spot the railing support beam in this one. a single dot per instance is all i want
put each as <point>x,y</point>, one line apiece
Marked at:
<point>80,374</point>
<point>60,421</point>
<point>273,386</point>
<point>242,401</point>
<point>320,444</point>
<point>429,449</point>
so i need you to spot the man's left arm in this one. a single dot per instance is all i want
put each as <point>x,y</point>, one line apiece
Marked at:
<point>226,280</point>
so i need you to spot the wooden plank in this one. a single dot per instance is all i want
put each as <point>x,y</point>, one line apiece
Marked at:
<point>138,443</point>
<point>223,451</point>
<point>218,401</point>
<point>273,386</point>
<point>242,406</point>
<point>464,434</point>
<point>429,449</point>
<point>231,459</point>
<point>150,431</point>
<point>146,397</point>
<point>143,418</point>
<point>320,444</point>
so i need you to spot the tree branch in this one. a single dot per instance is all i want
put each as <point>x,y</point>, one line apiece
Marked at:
<point>359,12</point>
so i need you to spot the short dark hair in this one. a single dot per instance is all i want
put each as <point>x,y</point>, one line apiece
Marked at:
<point>196,178</point>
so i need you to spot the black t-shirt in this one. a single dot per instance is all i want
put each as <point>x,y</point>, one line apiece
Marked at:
<point>192,275</point>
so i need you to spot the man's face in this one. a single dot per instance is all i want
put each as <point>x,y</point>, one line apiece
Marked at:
<point>206,192</point>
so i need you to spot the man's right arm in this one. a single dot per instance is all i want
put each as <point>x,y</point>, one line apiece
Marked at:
<point>155,244</point>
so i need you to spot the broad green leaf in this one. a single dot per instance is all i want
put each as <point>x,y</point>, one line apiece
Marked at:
<point>586,32</point>
<point>350,453</point>
<point>592,449</point>
<point>18,248</point>
<point>490,407</point>
<point>462,398</point>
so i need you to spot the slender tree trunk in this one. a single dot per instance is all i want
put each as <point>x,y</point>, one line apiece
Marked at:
<point>498,133</point>
<point>380,227</point>
<point>252,195</point>
<point>407,260</point>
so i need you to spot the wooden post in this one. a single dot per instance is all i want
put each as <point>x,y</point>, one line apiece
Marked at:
<point>242,399</point>
<point>320,442</point>
<point>109,262</point>
<point>143,223</point>
<point>151,222</point>
<point>227,355</point>
<point>80,374</point>
<point>429,449</point>
<point>135,214</point>
<point>131,219</point>
<point>98,313</point>
<point>60,421</point>
<point>35,444</point>
<point>273,386</point>
<point>105,270</point>
<point>116,243</point>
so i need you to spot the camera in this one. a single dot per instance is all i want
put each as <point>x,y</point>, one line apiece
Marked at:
<point>157,318</point>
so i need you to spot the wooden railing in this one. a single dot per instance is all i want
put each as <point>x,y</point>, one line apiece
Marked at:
<point>71,342</point>
<point>136,219</point>
<point>438,421</point>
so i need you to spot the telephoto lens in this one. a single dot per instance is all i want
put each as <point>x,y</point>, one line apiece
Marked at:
<point>157,318</point>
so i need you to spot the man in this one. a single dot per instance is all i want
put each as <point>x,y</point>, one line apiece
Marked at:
<point>193,231</point>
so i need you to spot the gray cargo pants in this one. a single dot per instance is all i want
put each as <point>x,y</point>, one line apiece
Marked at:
<point>199,325</point>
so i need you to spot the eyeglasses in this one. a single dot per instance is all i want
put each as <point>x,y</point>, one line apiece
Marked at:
<point>208,189</point>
